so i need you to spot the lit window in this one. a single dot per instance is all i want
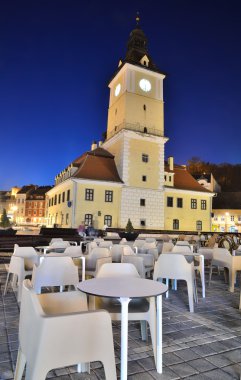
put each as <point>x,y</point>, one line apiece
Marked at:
<point>108,196</point>
<point>193,203</point>
<point>108,220</point>
<point>88,219</point>
<point>203,204</point>
<point>175,224</point>
<point>232,218</point>
<point>89,194</point>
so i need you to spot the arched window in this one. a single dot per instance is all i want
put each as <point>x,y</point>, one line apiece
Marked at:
<point>176,224</point>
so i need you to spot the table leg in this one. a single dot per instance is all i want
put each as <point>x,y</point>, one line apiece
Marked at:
<point>83,267</point>
<point>124,336</point>
<point>159,335</point>
<point>202,275</point>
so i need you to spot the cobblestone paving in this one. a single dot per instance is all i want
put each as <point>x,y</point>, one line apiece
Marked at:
<point>199,346</point>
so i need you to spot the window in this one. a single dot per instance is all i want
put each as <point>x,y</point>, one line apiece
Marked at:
<point>216,218</point>
<point>68,195</point>
<point>63,196</point>
<point>88,219</point>
<point>203,204</point>
<point>108,220</point>
<point>35,212</point>
<point>144,107</point>
<point>59,198</point>
<point>169,201</point>
<point>40,204</point>
<point>222,218</point>
<point>52,201</point>
<point>145,130</point>
<point>143,222</point>
<point>193,203</point>
<point>108,196</point>
<point>40,213</point>
<point>145,157</point>
<point>179,203</point>
<point>89,195</point>
<point>55,199</point>
<point>22,200</point>
<point>239,218</point>
<point>232,218</point>
<point>175,224</point>
<point>49,202</point>
<point>29,213</point>
<point>144,178</point>
<point>142,202</point>
<point>67,219</point>
<point>199,225</point>
<point>170,178</point>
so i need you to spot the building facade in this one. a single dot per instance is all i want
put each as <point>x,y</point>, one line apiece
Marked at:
<point>129,164</point>
<point>227,212</point>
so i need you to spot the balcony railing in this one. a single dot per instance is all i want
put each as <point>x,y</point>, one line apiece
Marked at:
<point>136,127</point>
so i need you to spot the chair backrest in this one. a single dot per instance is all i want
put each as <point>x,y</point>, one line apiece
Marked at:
<point>73,251</point>
<point>116,252</point>
<point>96,254</point>
<point>138,243</point>
<point>150,245</point>
<point>98,240</point>
<point>150,240</point>
<point>29,255</point>
<point>167,247</point>
<point>55,240</point>
<point>55,271</point>
<point>117,270</point>
<point>182,248</point>
<point>123,241</point>
<point>222,254</point>
<point>138,262</point>
<point>59,244</point>
<point>105,244</point>
<point>182,242</point>
<point>173,266</point>
<point>91,245</point>
<point>127,250</point>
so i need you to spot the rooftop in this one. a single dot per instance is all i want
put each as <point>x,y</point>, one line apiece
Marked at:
<point>200,346</point>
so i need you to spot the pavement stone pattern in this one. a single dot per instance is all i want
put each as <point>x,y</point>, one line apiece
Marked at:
<point>202,345</point>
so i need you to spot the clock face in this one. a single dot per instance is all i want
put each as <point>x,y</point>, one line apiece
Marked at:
<point>145,85</point>
<point>117,89</point>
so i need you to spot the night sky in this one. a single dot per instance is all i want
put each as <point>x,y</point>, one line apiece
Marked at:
<point>57,56</point>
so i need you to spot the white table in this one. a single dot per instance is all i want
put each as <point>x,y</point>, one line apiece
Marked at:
<point>125,289</point>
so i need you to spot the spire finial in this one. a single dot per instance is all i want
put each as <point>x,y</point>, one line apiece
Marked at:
<point>137,18</point>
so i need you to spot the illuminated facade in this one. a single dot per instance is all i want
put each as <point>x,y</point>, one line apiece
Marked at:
<point>130,162</point>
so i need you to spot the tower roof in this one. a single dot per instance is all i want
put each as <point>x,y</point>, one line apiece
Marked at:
<point>137,48</point>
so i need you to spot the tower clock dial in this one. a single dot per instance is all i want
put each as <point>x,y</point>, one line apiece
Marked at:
<point>145,85</point>
<point>117,89</point>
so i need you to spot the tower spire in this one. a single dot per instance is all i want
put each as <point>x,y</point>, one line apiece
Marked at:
<point>137,18</point>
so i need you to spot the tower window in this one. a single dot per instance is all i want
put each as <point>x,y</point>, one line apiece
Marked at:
<point>144,178</point>
<point>145,157</point>
<point>144,63</point>
<point>144,107</point>
<point>143,222</point>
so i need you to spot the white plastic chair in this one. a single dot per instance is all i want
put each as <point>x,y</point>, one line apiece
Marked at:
<point>167,247</point>
<point>138,262</point>
<point>55,240</point>
<point>21,265</point>
<point>175,267</point>
<point>222,258</point>
<point>116,252</point>
<point>95,259</point>
<point>105,244</point>
<point>89,246</point>
<point>55,271</point>
<point>139,309</point>
<point>63,333</point>
<point>148,259</point>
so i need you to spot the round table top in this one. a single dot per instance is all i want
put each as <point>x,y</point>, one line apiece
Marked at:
<point>122,287</point>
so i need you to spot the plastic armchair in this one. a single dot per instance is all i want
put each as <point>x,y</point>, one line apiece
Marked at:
<point>138,262</point>
<point>91,266</point>
<point>89,246</point>
<point>55,240</point>
<point>167,247</point>
<point>55,271</point>
<point>21,266</point>
<point>148,259</point>
<point>55,341</point>
<point>106,244</point>
<point>175,267</point>
<point>116,252</point>
<point>143,310</point>
<point>222,258</point>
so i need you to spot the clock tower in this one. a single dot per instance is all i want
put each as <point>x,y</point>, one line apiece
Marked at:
<point>135,134</point>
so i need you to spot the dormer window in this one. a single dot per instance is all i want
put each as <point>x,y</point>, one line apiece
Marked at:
<point>145,61</point>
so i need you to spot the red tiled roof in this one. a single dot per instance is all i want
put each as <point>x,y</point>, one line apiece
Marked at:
<point>97,164</point>
<point>184,180</point>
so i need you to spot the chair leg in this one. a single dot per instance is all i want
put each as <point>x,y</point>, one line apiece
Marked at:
<point>21,361</point>
<point>144,330</point>
<point>6,284</point>
<point>190,291</point>
<point>232,276</point>
<point>167,293</point>
<point>240,300</point>
<point>210,274</point>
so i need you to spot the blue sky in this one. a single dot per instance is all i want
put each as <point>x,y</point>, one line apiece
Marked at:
<point>57,56</point>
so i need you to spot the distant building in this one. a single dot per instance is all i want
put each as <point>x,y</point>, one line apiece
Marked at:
<point>227,212</point>
<point>125,177</point>
<point>208,181</point>
<point>8,202</point>
<point>31,204</point>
